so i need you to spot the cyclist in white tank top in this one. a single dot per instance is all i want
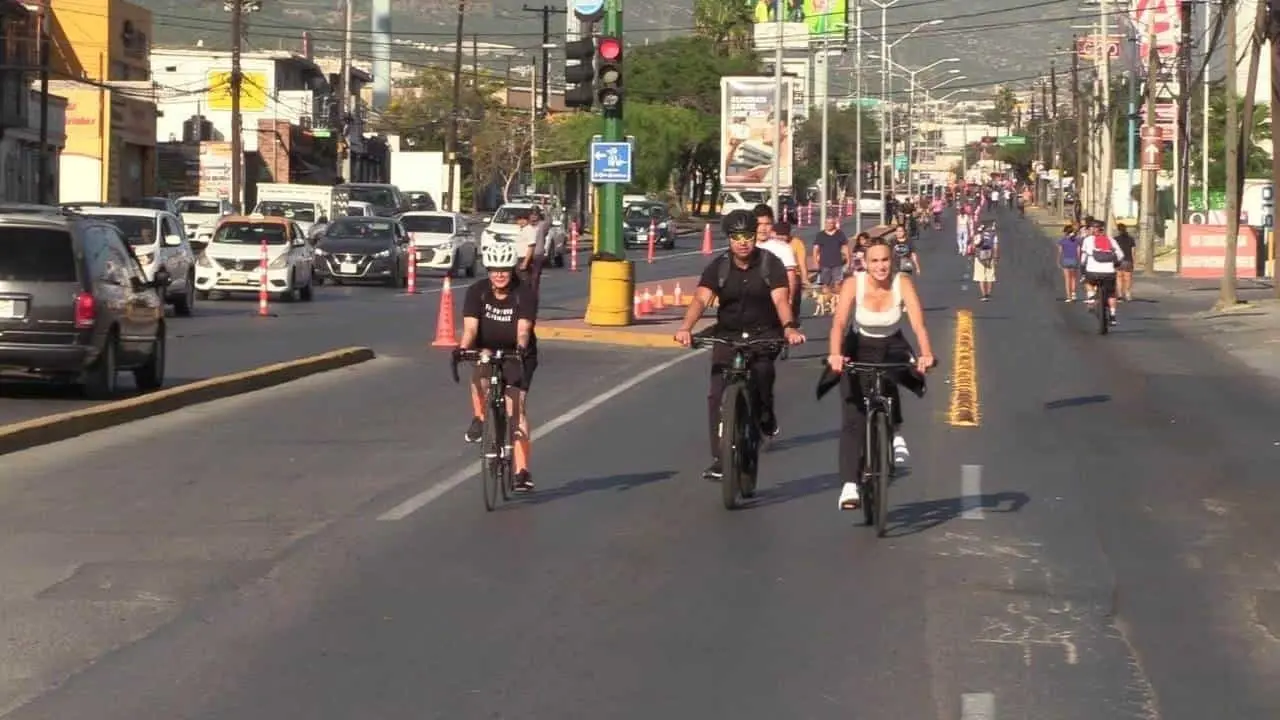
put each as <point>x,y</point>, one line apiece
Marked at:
<point>877,323</point>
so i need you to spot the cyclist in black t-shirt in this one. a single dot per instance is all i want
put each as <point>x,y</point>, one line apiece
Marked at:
<point>498,313</point>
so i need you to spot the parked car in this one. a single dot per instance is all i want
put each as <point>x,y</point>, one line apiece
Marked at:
<point>75,305</point>
<point>420,201</point>
<point>363,249</point>
<point>159,241</point>
<point>503,227</point>
<point>386,199</point>
<point>443,241</point>
<point>731,200</point>
<point>639,218</point>
<point>871,203</point>
<point>231,262</point>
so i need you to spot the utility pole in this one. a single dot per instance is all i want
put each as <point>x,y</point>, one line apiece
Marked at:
<point>42,48</point>
<point>778,108</point>
<point>451,138</point>
<point>1227,290</point>
<point>1106,133</point>
<point>546,11</point>
<point>1147,228</point>
<point>1244,141</point>
<point>824,79</point>
<point>533,112</point>
<point>1273,34</point>
<point>1081,122</point>
<point>344,155</point>
<point>1055,151</point>
<point>857,58</point>
<point>238,10</point>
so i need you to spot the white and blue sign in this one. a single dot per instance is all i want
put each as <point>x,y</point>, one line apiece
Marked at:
<point>611,162</point>
<point>587,9</point>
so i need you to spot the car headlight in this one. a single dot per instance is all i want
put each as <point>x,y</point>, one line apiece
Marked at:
<point>383,254</point>
<point>204,261</point>
<point>280,262</point>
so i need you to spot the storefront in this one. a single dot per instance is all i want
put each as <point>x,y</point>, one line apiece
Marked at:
<point>110,154</point>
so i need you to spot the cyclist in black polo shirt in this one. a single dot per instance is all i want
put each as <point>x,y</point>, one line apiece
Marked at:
<point>752,287</point>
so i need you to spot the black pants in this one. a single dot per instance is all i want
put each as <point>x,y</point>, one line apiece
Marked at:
<point>534,274</point>
<point>853,421</point>
<point>762,369</point>
<point>796,298</point>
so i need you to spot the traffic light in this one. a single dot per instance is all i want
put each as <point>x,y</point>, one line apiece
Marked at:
<point>579,79</point>
<point>609,74</point>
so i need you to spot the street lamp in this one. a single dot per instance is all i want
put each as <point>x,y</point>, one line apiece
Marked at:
<point>912,74</point>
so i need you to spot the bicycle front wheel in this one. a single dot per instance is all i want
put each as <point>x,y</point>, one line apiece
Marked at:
<point>491,461</point>
<point>884,463</point>
<point>733,411</point>
<point>1104,311</point>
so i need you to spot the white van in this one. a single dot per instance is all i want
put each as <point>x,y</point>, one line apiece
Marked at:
<point>731,200</point>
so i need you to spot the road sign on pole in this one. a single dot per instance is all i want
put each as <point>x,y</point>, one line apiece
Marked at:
<point>1152,147</point>
<point>611,162</point>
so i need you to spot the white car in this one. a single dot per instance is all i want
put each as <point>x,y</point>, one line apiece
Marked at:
<point>201,214</point>
<point>871,203</point>
<point>731,200</point>
<point>231,262</point>
<point>503,228</point>
<point>442,241</point>
<point>158,241</point>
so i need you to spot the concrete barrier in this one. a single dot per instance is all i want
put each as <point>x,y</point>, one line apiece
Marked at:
<point>63,426</point>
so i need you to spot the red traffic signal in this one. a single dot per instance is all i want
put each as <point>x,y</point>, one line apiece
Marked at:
<point>610,49</point>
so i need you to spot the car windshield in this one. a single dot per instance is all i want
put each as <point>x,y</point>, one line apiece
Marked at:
<point>358,228</point>
<point>427,223</point>
<point>137,230</point>
<point>751,196</point>
<point>200,207</point>
<point>249,233</point>
<point>377,197</point>
<point>294,210</point>
<point>151,203</point>
<point>644,212</point>
<point>36,255</point>
<point>509,215</point>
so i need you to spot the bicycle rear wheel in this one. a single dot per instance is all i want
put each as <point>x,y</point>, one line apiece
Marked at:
<point>491,463</point>
<point>1103,297</point>
<point>733,411</point>
<point>884,461</point>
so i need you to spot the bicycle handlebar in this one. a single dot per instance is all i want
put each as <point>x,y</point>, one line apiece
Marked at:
<point>853,366</point>
<point>481,356</point>
<point>754,343</point>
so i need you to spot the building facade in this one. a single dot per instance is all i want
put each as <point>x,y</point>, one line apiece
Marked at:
<point>21,110</point>
<point>110,153</point>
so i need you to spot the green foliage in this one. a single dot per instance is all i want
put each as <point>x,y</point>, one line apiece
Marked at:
<point>726,24</point>
<point>842,143</point>
<point>663,135</point>
<point>1257,162</point>
<point>421,115</point>
<point>685,72</point>
<point>1005,111</point>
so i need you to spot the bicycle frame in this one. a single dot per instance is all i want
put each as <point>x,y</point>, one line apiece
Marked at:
<point>497,450</point>
<point>878,405</point>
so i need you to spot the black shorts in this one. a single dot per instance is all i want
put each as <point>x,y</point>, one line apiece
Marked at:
<point>1107,280</point>
<point>516,373</point>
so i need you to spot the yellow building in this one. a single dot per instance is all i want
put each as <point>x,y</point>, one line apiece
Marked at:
<point>100,51</point>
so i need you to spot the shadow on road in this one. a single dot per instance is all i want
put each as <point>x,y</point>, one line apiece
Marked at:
<point>616,483</point>
<point>921,516</point>
<point>1077,401</point>
<point>802,440</point>
<point>794,490</point>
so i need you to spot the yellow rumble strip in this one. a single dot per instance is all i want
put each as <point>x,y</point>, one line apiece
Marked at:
<point>964,410</point>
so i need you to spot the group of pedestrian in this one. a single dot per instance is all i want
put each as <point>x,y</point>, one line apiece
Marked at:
<point>1088,255</point>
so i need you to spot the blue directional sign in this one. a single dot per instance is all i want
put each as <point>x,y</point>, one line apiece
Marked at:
<point>610,162</point>
<point>588,8</point>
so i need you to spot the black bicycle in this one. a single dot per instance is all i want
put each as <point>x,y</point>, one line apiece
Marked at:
<point>877,451</point>
<point>740,435</point>
<point>497,444</point>
<point>1102,302</point>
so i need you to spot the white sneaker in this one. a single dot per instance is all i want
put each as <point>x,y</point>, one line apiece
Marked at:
<point>901,455</point>
<point>849,499</point>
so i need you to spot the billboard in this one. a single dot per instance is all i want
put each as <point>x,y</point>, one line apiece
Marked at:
<point>748,118</point>
<point>817,17</point>
<point>253,91</point>
<point>1164,19</point>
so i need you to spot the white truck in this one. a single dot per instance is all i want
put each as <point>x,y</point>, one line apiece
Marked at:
<point>307,205</point>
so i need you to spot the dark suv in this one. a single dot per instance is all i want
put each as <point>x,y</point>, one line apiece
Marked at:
<point>75,305</point>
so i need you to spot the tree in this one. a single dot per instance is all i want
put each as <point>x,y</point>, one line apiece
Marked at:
<point>842,143</point>
<point>500,148</point>
<point>662,132</point>
<point>1256,164</point>
<point>421,114</point>
<point>727,24</point>
<point>1005,111</point>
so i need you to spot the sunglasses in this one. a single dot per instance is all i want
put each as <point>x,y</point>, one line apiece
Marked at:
<point>742,237</point>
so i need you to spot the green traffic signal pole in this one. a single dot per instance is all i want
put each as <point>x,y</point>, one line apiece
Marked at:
<point>612,282</point>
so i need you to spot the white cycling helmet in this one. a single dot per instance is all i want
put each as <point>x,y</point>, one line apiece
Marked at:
<point>499,256</point>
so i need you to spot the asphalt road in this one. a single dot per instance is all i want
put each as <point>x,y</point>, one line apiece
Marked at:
<point>1102,546</point>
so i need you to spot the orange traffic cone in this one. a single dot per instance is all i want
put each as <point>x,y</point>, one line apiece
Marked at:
<point>646,303</point>
<point>659,300</point>
<point>445,334</point>
<point>706,240</point>
<point>678,296</point>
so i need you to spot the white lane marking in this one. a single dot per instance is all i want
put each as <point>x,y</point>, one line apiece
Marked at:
<point>978,706</point>
<point>971,492</point>
<point>424,498</point>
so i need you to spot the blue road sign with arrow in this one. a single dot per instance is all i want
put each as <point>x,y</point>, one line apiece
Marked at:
<point>610,162</point>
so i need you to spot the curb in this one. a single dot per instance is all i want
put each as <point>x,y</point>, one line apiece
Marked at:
<point>64,426</point>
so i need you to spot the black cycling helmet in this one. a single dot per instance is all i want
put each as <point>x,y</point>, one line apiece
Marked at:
<point>739,222</point>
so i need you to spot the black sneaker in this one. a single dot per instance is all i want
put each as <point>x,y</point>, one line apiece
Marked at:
<point>523,482</point>
<point>769,425</point>
<point>714,471</point>
<point>475,431</point>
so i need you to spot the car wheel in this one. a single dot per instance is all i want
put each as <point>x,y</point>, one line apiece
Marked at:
<point>394,280</point>
<point>151,375</point>
<point>404,276</point>
<point>475,261</point>
<point>183,305</point>
<point>100,377</point>
<point>202,294</point>
<point>558,260</point>
<point>317,279</point>
<point>306,292</point>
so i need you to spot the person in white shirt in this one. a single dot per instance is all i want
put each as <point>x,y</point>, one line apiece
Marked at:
<point>962,231</point>
<point>1101,257</point>
<point>780,247</point>
<point>526,241</point>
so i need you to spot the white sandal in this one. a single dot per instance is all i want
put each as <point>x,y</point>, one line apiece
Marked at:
<point>849,499</point>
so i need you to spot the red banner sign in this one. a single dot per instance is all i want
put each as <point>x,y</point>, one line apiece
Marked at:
<point>1204,249</point>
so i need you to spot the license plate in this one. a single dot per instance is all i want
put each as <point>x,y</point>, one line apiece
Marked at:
<point>9,309</point>
<point>241,278</point>
<point>347,268</point>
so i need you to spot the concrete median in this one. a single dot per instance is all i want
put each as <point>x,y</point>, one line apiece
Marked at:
<point>63,426</point>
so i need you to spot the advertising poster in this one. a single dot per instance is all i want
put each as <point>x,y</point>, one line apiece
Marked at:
<point>820,17</point>
<point>748,118</point>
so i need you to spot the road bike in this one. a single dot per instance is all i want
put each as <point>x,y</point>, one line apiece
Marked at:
<point>1102,285</point>
<point>877,451</point>
<point>740,435</point>
<point>497,443</point>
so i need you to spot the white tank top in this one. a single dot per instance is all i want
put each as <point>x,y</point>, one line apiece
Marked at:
<point>874,323</point>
